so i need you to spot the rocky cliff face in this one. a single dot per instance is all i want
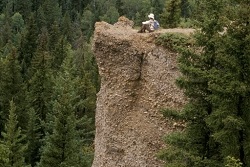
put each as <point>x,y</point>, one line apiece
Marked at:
<point>137,80</point>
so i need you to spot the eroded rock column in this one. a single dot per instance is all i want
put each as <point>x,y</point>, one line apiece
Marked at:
<point>137,80</point>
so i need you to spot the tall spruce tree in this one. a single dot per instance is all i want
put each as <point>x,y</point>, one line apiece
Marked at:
<point>33,139</point>
<point>87,23</point>
<point>4,152</point>
<point>216,83</point>
<point>88,86</point>
<point>40,83</point>
<point>5,30</point>
<point>12,88</point>
<point>24,8</point>
<point>229,121</point>
<point>39,96</point>
<point>63,146</point>
<point>28,46</point>
<point>170,17</point>
<point>52,12</point>
<point>13,141</point>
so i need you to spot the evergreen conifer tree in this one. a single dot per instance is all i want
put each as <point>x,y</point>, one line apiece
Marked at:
<point>13,141</point>
<point>157,7</point>
<point>63,146</point>
<point>216,83</point>
<point>40,83</point>
<point>87,23</point>
<point>33,139</point>
<point>170,17</point>
<point>12,88</point>
<point>52,12</point>
<point>17,27</point>
<point>229,121</point>
<point>4,152</point>
<point>28,46</point>
<point>5,30</point>
<point>24,7</point>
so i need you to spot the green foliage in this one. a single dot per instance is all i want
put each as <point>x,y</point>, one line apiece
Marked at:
<point>157,7</point>
<point>87,23</point>
<point>35,39</point>
<point>12,88</point>
<point>215,82</point>
<point>185,9</point>
<point>62,146</point>
<point>171,14</point>
<point>45,32</point>
<point>52,12</point>
<point>13,141</point>
<point>17,25</point>
<point>5,30</point>
<point>131,7</point>
<point>28,46</point>
<point>174,41</point>
<point>67,28</point>
<point>232,162</point>
<point>86,85</point>
<point>171,113</point>
<point>40,84</point>
<point>179,152</point>
<point>4,152</point>
<point>186,23</point>
<point>88,155</point>
<point>24,7</point>
<point>111,16</point>
<point>33,139</point>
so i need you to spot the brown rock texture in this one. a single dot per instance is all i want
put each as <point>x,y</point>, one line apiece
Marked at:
<point>137,81</point>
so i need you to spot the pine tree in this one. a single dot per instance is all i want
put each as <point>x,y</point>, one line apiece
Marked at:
<point>24,7</point>
<point>57,47</point>
<point>17,26</point>
<point>88,85</point>
<point>41,18</point>
<point>28,46</point>
<point>65,5</point>
<point>52,12</point>
<point>185,9</point>
<point>63,147</point>
<point>170,17</point>
<point>39,96</point>
<point>216,83</point>
<point>13,140</point>
<point>87,23</point>
<point>54,36</point>
<point>12,88</point>
<point>5,30</point>
<point>111,16</point>
<point>4,152</point>
<point>33,133</point>
<point>118,6</point>
<point>67,28</point>
<point>157,7</point>
<point>40,83</point>
<point>229,85</point>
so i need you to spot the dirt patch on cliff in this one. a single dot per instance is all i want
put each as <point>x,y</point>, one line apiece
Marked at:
<point>137,81</point>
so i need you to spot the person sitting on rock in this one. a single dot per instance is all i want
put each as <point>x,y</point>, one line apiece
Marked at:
<point>148,25</point>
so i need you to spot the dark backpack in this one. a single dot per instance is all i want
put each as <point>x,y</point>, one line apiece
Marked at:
<point>156,24</point>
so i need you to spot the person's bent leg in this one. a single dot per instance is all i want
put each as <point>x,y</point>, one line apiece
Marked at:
<point>147,27</point>
<point>140,31</point>
<point>143,28</point>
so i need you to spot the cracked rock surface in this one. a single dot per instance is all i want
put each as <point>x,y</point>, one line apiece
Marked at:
<point>137,81</point>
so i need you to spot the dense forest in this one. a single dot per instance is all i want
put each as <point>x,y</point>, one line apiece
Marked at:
<point>49,80</point>
<point>215,78</point>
